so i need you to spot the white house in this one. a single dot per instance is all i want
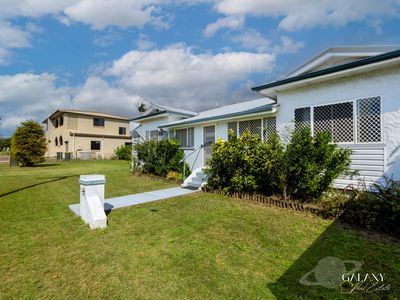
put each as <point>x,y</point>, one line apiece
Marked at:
<point>353,92</point>
<point>145,126</point>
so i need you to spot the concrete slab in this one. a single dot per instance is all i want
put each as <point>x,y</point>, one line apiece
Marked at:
<point>135,199</point>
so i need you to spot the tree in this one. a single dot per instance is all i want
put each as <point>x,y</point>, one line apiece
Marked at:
<point>141,107</point>
<point>28,144</point>
<point>4,143</point>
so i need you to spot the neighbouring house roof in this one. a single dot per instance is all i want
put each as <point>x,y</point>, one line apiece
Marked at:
<point>157,109</point>
<point>228,111</point>
<point>393,55</point>
<point>58,112</point>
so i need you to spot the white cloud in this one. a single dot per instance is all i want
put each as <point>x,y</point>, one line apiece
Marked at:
<point>177,76</point>
<point>233,22</point>
<point>11,37</point>
<point>103,13</point>
<point>98,95</point>
<point>288,46</point>
<point>25,96</point>
<point>144,43</point>
<point>300,14</point>
<point>252,39</point>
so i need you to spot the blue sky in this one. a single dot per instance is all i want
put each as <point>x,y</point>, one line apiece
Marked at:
<point>108,55</point>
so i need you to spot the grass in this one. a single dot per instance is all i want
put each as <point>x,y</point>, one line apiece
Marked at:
<point>201,246</point>
<point>3,153</point>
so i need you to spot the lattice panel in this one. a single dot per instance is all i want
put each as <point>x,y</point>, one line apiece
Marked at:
<point>254,126</point>
<point>302,118</point>
<point>369,120</point>
<point>232,126</point>
<point>269,127</point>
<point>336,119</point>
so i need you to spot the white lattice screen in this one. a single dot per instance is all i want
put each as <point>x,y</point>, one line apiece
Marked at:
<point>337,119</point>
<point>302,117</point>
<point>343,122</point>
<point>369,120</point>
<point>254,126</point>
<point>232,126</point>
<point>269,127</point>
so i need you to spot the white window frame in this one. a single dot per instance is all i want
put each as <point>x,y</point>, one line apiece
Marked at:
<point>355,121</point>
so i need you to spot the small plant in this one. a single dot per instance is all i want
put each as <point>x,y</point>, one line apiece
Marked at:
<point>123,152</point>
<point>28,144</point>
<point>172,175</point>
<point>377,209</point>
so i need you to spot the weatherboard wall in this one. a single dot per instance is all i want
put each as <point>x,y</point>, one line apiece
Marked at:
<point>371,160</point>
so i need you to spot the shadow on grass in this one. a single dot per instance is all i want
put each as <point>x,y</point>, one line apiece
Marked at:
<point>45,165</point>
<point>54,179</point>
<point>317,273</point>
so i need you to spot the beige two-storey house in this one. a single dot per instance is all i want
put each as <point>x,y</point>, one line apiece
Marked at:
<point>85,134</point>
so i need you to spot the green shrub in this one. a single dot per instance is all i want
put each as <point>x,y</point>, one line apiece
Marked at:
<point>303,169</point>
<point>159,158</point>
<point>237,164</point>
<point>123,152</point>
<point>334,203</point>
<point>378,209</point>
<point>28,144</point>
<point>313,163</point>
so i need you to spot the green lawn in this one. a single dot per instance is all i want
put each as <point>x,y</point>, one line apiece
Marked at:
<point>201,246</point>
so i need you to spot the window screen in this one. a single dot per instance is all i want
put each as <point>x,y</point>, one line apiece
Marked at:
<point>337,119</point>
<point>190,137</point>
<point>232,126</point>
<point>181,136</point>
<point>254,126</point>
<point>154,135</point>
<point>302,117</point>
<point>269,127</point>
<point>369,120</point>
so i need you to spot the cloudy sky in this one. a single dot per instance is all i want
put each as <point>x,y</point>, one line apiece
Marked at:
<point>107,55</point>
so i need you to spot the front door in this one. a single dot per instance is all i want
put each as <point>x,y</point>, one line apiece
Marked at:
<point>208,140</point>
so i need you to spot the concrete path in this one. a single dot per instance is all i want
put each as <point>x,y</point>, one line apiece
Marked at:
<point>134,199</point>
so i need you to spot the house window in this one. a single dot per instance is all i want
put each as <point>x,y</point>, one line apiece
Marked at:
<point>152,135</point>
<point>302,117</point>
<point>254,126</point>
<point>61,140</point>
<point>56,141</point>
<point>232,126</point>
<point>343,122</point>
<point>269,127</point>
<point>181,136</point>
<point>122,131</point>
<point>337,119</point>
<point>61,121</point>
<point>95,145</point>
<point>185,137</point>
<point>98,122</point>
<point>56,123</point>
<point>369,120</point>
